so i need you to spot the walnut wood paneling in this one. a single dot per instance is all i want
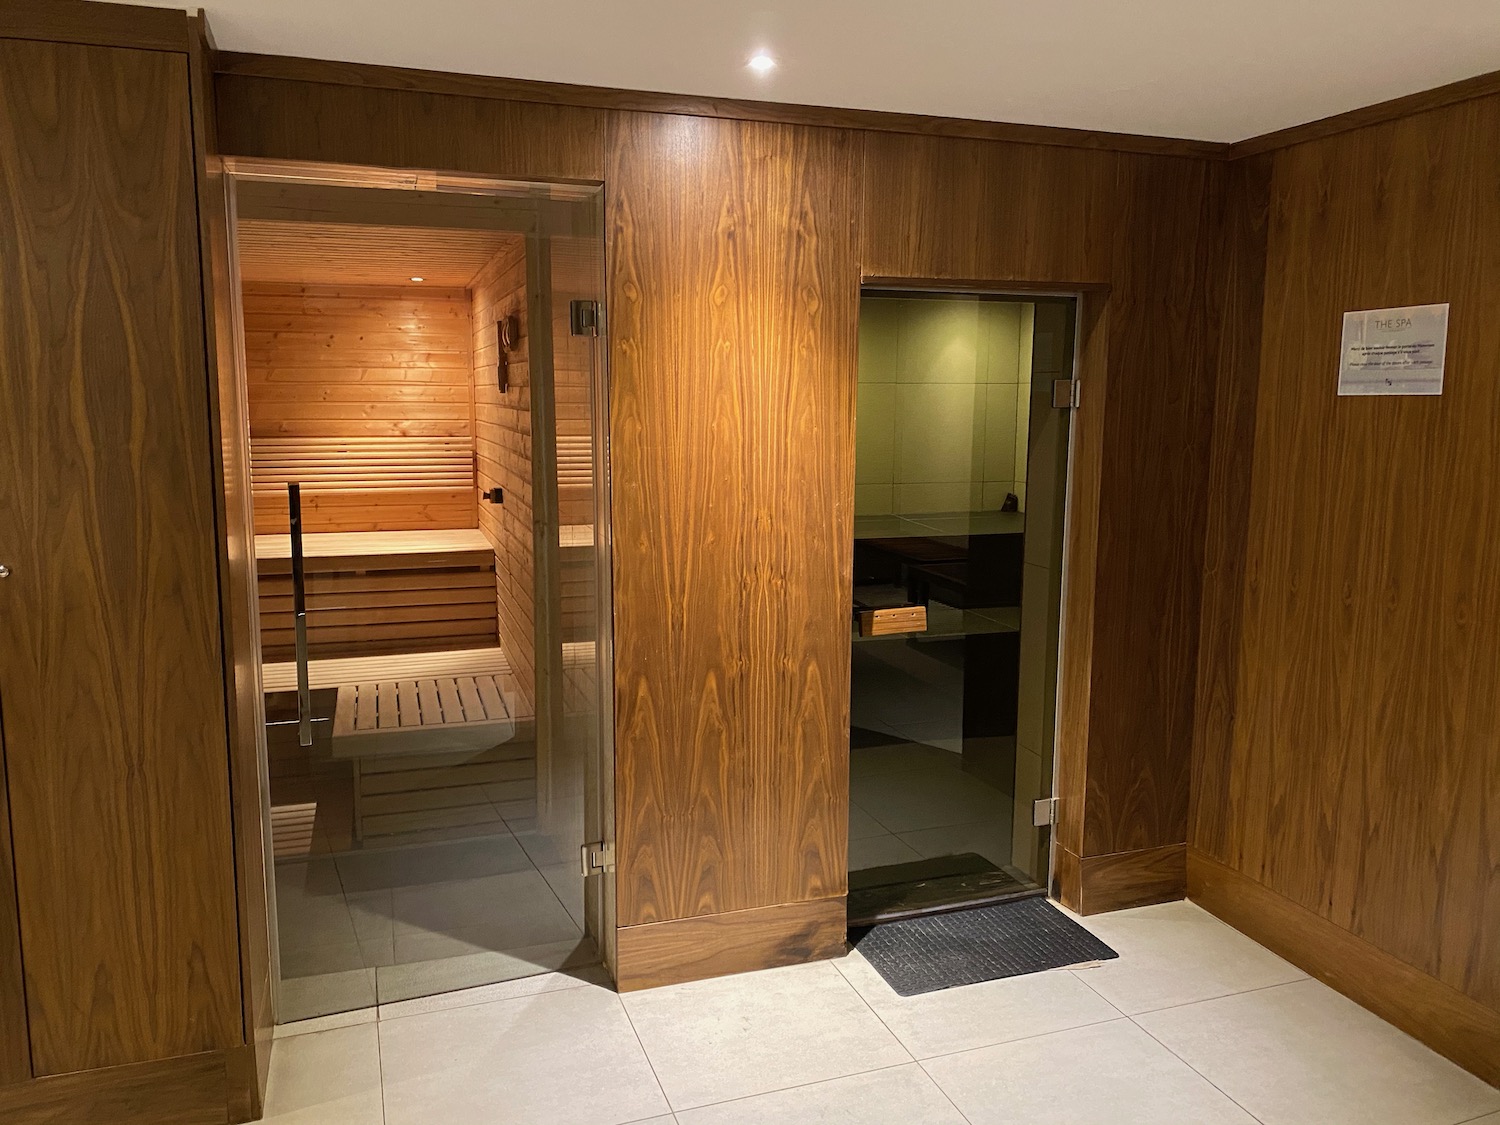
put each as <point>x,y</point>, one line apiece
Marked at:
<point>733,376</point>
<point>1244,210</point>
<point>1132,233</point>
<point>718,944</point>
<point>188,1090</point>
<point>103,25</point>
<point>1447,1020</point>
<point>1125,879</point>
<point>1154,462</point>
<point>15,1048</point>
<point>738,109</point>
<point>1029,213</point>
<point>110,660</point>
<point>352,125</point>
<point>732,285</point>
<point>1348,761</point>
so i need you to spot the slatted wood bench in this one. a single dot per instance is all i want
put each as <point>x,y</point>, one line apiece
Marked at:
<point>379,592</point>
<point>365,484</point>
<point>437,741</point>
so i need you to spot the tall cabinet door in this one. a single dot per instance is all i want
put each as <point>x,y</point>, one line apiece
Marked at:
<point>111,673</point>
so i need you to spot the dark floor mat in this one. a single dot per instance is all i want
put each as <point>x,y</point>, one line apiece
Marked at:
<point>1028,935</point>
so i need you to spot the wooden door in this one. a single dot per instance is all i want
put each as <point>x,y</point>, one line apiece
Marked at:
<point>111,673</point>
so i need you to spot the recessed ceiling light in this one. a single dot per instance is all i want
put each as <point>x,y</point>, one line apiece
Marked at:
<point>760,62</point>
<point>418,279</point>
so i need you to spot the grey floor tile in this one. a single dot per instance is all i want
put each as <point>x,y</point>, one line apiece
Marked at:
<point>1177,953</point>
<point>560,1058</point>
<point>326,1078</point>
<point>1105,1074</point>
<point>732,1037</point>
<point>899,1095</point>
<point>978,1015</point>
<point>1302,1054</point>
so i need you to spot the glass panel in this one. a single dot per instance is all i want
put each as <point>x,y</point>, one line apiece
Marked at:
<point>411,366</point>
<point>951,562</point>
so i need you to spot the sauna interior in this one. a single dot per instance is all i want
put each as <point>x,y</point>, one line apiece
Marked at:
<point>421,369</point>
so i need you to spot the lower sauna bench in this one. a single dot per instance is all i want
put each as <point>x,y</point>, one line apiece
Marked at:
<point>379,592</point>
<point>436,740</point>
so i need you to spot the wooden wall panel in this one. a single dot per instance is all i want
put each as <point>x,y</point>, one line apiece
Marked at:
<point>733,376</point>
<point>985,211</point>
<point>1148,568</point>
<point>1348,761</point>
<point>409,129</point>
<point>15,1045</point>
<point>735,255</point>
<point>1133,234</point>
<point>503,443</point>
<point>110,657</point>
<point>362,362</point>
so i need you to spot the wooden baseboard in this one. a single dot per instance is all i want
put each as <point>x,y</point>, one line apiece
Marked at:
<point>192,1090</point>
<point>1097,884</point>
<point>738,942</point>
<point>1449,1022</point>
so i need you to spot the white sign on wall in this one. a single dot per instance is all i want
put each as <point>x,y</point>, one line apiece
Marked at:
<point>1394,351</point>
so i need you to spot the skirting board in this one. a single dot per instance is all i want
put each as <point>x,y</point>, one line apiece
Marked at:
<point>741,941</point>
<point>192,1090</point>
<point>1098,884</point>
<point>1445,1019</point>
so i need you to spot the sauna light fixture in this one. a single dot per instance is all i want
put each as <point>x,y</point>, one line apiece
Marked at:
<point>760,62</point>
<point>419,279</point>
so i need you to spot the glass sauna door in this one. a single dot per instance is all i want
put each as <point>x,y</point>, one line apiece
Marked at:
<point>961,468</point>
<point>422,362</point>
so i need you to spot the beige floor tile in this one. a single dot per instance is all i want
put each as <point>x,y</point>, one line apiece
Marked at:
<point>1301,1054</point>
<point>326,1078</point>
<point>1177,953</point>
<point>325,1023</point>
<point>715,1040</point>
<point>1106,1074</point>
<point>900,1095</point>
<point>593,975</point>
<point>977,1015</point>
<point>560,1058</point>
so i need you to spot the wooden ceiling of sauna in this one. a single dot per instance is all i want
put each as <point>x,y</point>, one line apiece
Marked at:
<point>344,254</point>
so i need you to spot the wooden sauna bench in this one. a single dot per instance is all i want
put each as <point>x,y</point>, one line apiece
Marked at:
<point>437,740</point>
<point>380,592</point>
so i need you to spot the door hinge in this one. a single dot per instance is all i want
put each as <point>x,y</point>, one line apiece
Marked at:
<point>584,317</point>
<point>597,858</point>
<point>1044,812</point>
<point>1065,393</point>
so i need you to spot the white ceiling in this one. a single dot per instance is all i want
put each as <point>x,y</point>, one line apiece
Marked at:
<point>1216,70</point>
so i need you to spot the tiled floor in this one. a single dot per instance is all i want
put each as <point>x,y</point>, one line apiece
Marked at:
<point>911,801</point>
<point>1194,1024</point>
<point>360,928</point>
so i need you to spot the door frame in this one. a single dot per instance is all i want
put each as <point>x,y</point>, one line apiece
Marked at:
<point>1079,546</point>
<point>544,207</point>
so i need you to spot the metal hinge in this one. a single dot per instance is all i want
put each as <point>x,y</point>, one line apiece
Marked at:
<point>597,858</point>
<point>1044,812</point>
<point>584,317</point>
<point>1065,393</point>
